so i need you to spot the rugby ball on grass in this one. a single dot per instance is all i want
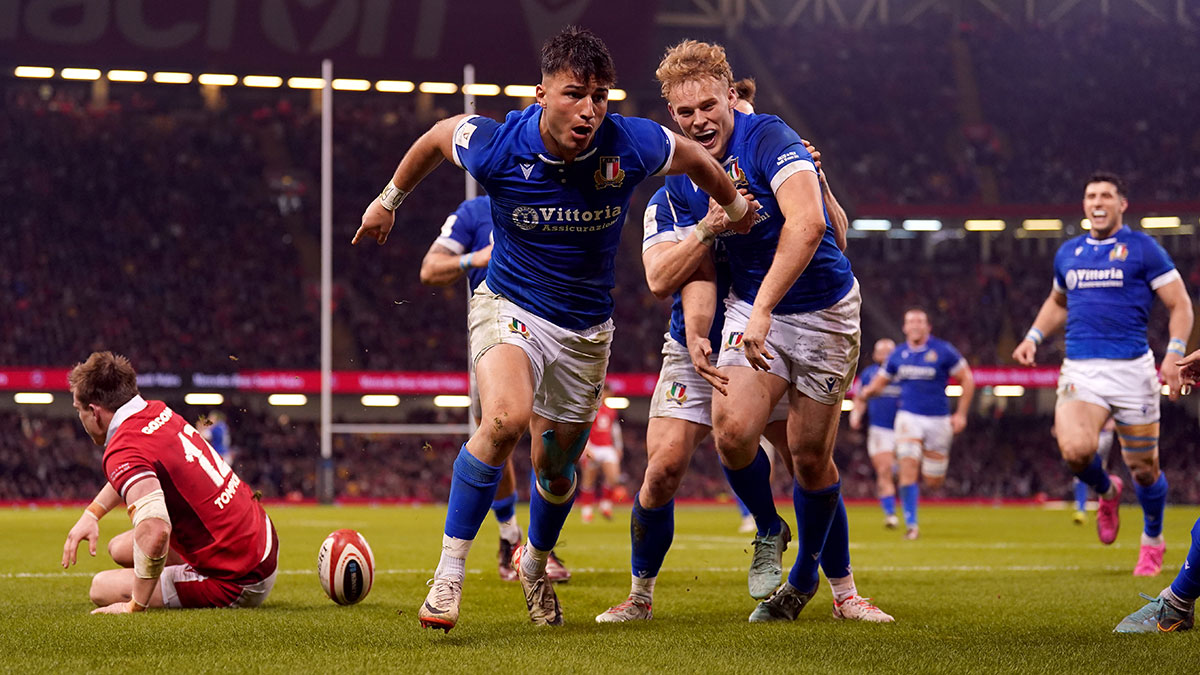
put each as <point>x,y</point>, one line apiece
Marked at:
<point>346,567</point>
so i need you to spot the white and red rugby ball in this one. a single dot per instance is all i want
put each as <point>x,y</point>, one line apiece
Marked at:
<point>346,567</point>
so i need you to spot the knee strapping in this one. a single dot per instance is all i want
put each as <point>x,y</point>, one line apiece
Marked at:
<point>561,464</point>
<point>908,449</point>
<point>934,468</point>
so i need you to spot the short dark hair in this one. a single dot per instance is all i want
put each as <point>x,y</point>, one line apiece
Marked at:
<point>581,53</point>
<point>1107,177</point>
<point>746,89</point>
<point>105,379</point>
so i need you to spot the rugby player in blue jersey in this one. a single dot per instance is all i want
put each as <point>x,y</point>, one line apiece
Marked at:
<point>1174,609</point>
<point>676,240</point>
<point>560,175</point>
<point>818,310</point>
<point>463,248</point>
<point>924,426</point>
<point>1104,285</point>
<point>881,434</point>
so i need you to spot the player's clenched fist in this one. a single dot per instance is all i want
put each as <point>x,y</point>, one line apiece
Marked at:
<point>1025,352</point>
<point>377,222</point>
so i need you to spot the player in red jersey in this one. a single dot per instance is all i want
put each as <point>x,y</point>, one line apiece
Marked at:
<point>199,537</point>
<point>602,457</point>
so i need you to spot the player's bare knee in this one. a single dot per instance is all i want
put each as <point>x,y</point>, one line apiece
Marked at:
<point>659,485</point>
<point>120,549</point>
<point>933,482</point>
<point>1144,474</point>
<point>1077,452</point>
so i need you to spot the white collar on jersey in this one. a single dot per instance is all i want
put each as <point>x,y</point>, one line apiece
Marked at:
<point>132,407</point>
<point>1101,242</point>
<point>550,160</point>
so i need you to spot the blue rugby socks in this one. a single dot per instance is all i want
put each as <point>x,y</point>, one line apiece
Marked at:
<point>752,484</point>
<point>1153,499</point>
<point>472,488</point>
<point>650,533</point>
<point>815,511</point>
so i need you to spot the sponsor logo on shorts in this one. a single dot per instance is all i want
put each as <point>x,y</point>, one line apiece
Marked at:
<point>597,390</point>
<point>516,326</point>
<point>677,392</point>
<point>830,382</point>
<point>734,342</point>
<point>610,173</point>
<point>1119,252</point>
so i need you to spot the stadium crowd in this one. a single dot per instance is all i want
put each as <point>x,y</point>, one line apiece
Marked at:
<point>1008,454</point>
<point>184,236</point>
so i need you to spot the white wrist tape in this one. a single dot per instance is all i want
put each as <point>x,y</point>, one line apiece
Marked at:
<point>144,566</point>
<point>737,208</point>
<point>704,233</point>
<point>152,505</point>
<point>392,196</point>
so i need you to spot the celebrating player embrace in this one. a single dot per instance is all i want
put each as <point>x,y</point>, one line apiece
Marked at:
<point>1104,284</point>
<point>560,174</point>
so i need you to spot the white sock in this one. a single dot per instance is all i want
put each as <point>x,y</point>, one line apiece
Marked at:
<point>1179,602</point>
<point>643,587</point>
<point>843,588</point>
<point>453,563</point>
<point>1147,540</point>
<point>605,505</point>
<point>510,531</point>
<point>533,561</point>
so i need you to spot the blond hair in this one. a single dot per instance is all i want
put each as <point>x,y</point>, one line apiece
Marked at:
<point>692,60</point>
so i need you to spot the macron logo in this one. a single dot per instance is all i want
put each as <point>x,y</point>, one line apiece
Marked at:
<point>526,169</point>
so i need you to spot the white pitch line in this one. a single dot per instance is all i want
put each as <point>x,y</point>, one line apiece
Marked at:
<point>680,570</point>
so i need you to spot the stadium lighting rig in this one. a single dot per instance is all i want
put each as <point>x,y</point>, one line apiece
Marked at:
<point>33,397</point>
<point>276,81</point>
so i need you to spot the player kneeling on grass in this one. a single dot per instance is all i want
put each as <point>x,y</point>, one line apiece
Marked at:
<point>199,537</point>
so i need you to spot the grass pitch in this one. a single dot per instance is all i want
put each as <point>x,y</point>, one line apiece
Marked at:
<point>984,590</point>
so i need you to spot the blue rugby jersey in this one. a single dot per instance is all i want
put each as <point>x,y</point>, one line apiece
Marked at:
<point>1110,287</point>
<point>557,224</point>
<point>922,373</point>
<point>469,229</point>
<point>881,410</point>
<point>762,153</point>
<point>669,220</point>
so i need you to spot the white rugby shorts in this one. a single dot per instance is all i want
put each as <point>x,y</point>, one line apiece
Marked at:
<point>603,454</point>
<point>916,432</point>
<point>1129,389</point>
<point>568,365</point>
<point>880,440</point>
<point>815,352</point>
<point>682,394</point>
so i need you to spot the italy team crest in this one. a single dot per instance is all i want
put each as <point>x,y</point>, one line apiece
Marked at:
<point>931,357</point>
<point>519,328</point>
<point>734,342</point>
<point>677,393</point>
<point>1119,252</point>
<point>735,173</point>
<point>610,173</point>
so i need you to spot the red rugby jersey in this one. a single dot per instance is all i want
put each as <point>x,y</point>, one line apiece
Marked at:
<point>602,428</point>
<point>216,524</point>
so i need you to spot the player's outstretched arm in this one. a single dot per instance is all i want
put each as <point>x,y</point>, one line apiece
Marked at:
<point>669,265</point>
<point>799,199</point>
<point>1175,296</point>
<point>151,543</point>
<point>837,215</point>
<point>423,157</point>
<point>699,299</point>
<point>88,525</point>
<point>966,379</point>
<point>442,267</point>
<point>692,159</point>
<point>1050,319</point>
